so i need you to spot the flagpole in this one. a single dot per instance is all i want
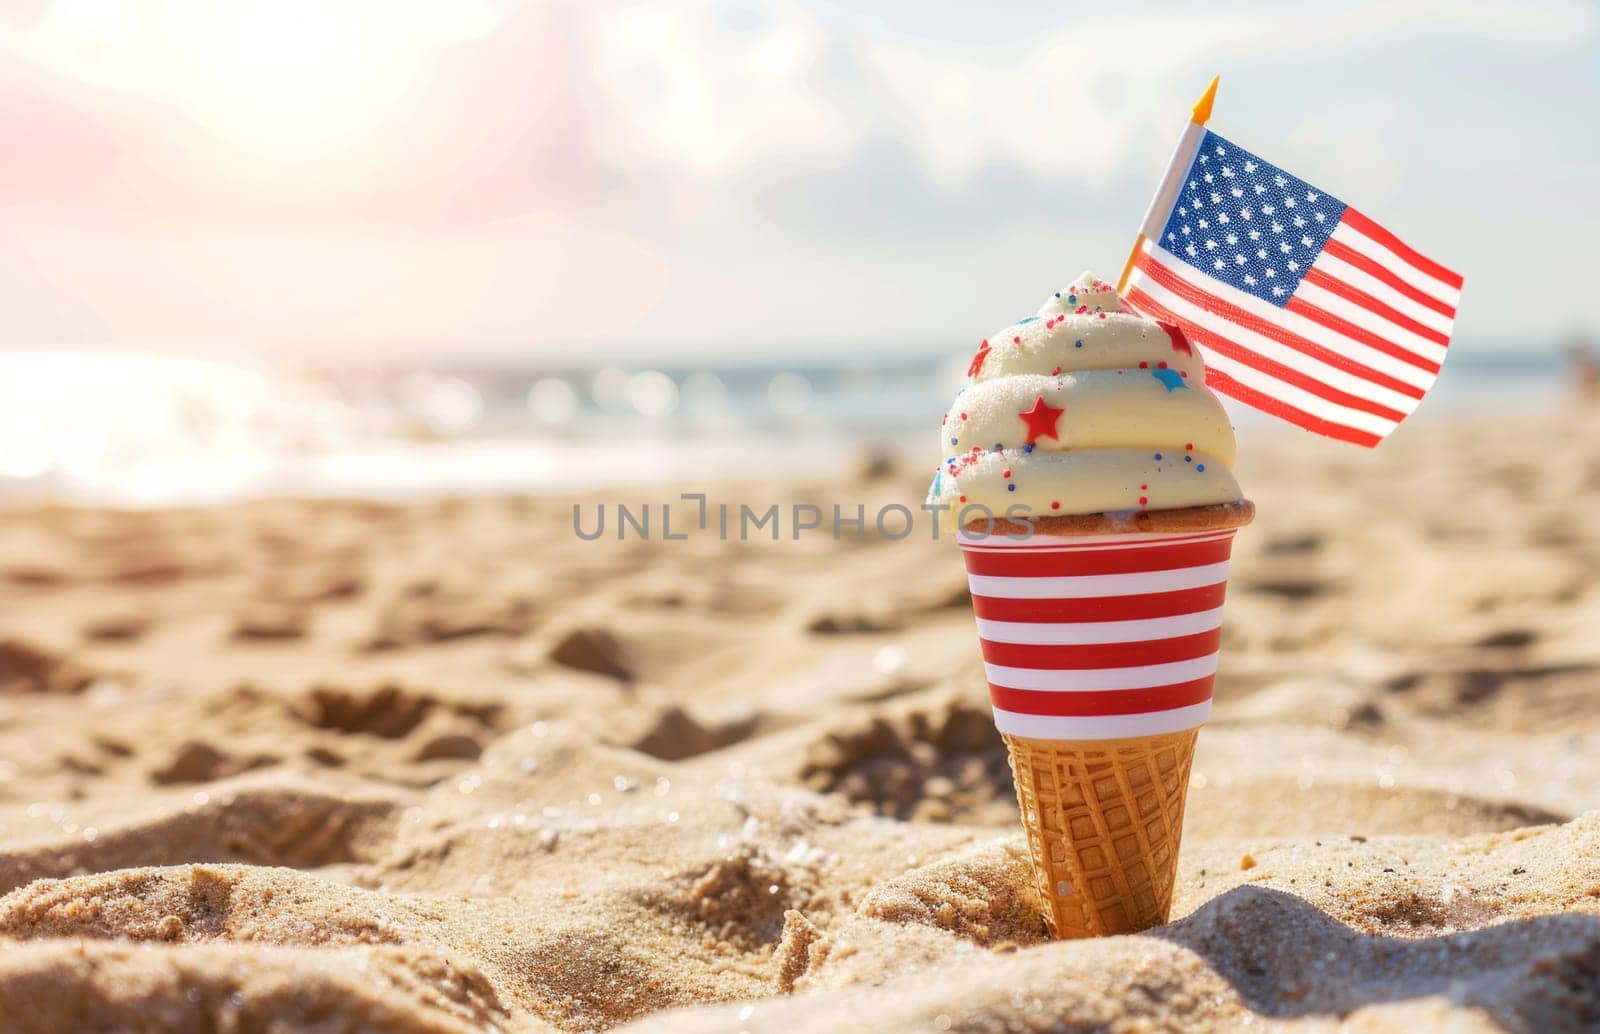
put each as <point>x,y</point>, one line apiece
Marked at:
<point>1167,193</point>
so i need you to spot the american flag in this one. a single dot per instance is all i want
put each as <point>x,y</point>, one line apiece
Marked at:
<point>1306,308</point>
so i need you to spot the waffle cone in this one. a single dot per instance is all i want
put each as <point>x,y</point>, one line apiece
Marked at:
<point>1104,818</point>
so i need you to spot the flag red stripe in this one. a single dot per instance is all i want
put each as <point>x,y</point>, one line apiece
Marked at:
<point>1344,252</point>
<point>1271,367</point>
<point>1350,294</point>
<point>1366,227</point>
<point>1103,608</point>
<point>1267,404</point>
<point>1339,325</point>
<point>1233,314</point>
<point>1098,702</point>
<point>1092,656</point>
<point>1021,563</point>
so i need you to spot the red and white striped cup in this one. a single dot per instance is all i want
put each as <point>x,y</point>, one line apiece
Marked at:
<point>1099,637</point>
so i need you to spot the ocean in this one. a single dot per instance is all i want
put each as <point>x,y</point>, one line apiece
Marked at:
<point>142,430</point>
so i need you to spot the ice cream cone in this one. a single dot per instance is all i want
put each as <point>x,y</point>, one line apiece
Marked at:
<point>1100,641</point>
<point>1104,818</point>
<point>1099,604</point>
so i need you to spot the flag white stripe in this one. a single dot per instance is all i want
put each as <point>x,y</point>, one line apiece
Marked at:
<point>1264,346</point>
<point>1088,680</point>
<point>1316,405</point>
<point>1365,282</point>
<point>1101,727</point>
<point>1425,282</point>
<point>1085,633</point>
<point>1090,585</point>
<point>1292,322</point>
<point>1366,319</point>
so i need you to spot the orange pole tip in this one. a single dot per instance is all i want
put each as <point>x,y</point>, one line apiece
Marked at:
<point>1127,269</point>
<point>1202,107</point>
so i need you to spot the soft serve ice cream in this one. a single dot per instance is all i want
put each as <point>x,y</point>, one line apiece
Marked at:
<point>1086,408</point>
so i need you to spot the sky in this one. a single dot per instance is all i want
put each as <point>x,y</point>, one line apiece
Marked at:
<point>373,180</point>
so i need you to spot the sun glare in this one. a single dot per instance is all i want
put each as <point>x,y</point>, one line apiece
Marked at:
<point>280,54</point>
<point>105,19</point>
<point>286,78</point>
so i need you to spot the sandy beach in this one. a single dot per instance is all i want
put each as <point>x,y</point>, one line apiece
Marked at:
<point>443,766</point>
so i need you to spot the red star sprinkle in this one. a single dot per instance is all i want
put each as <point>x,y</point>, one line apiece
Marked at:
<point>1041,421</point>
<point>977,359</point>
<point>1179,342</point>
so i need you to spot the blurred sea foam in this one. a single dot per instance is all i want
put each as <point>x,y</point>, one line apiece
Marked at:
<point>137,429</point>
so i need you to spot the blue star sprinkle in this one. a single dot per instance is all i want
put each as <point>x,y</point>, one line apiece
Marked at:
<point>1172,380</point>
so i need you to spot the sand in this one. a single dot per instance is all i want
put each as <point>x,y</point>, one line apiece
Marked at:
<point>441,766</point>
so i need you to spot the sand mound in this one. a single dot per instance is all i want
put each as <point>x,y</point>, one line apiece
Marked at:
<point>241,987</point>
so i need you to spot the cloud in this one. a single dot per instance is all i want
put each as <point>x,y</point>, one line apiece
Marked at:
<point>397,112</point>
<point>1075,104</point>
<point>715,89</point>
<point>713,174</point>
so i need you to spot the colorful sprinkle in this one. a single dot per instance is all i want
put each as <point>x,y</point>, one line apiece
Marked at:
<point>1144,500</point>
<point>977,358</point>
<point>1055,505</point>
<point>1011,488</point>
<point>1200,468</point>
<point>1077,344</point>
<point>1005,473</point>
<point>1041,420</point>
<point>1158,457</point>
<point>1178,341</point>
<point>953,441</point>
<point>1188,459</point>
<point>1027,448</point>
<point>1169,379</point>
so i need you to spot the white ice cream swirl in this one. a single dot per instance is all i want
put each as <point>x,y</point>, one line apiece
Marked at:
<point>1087,407</point>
